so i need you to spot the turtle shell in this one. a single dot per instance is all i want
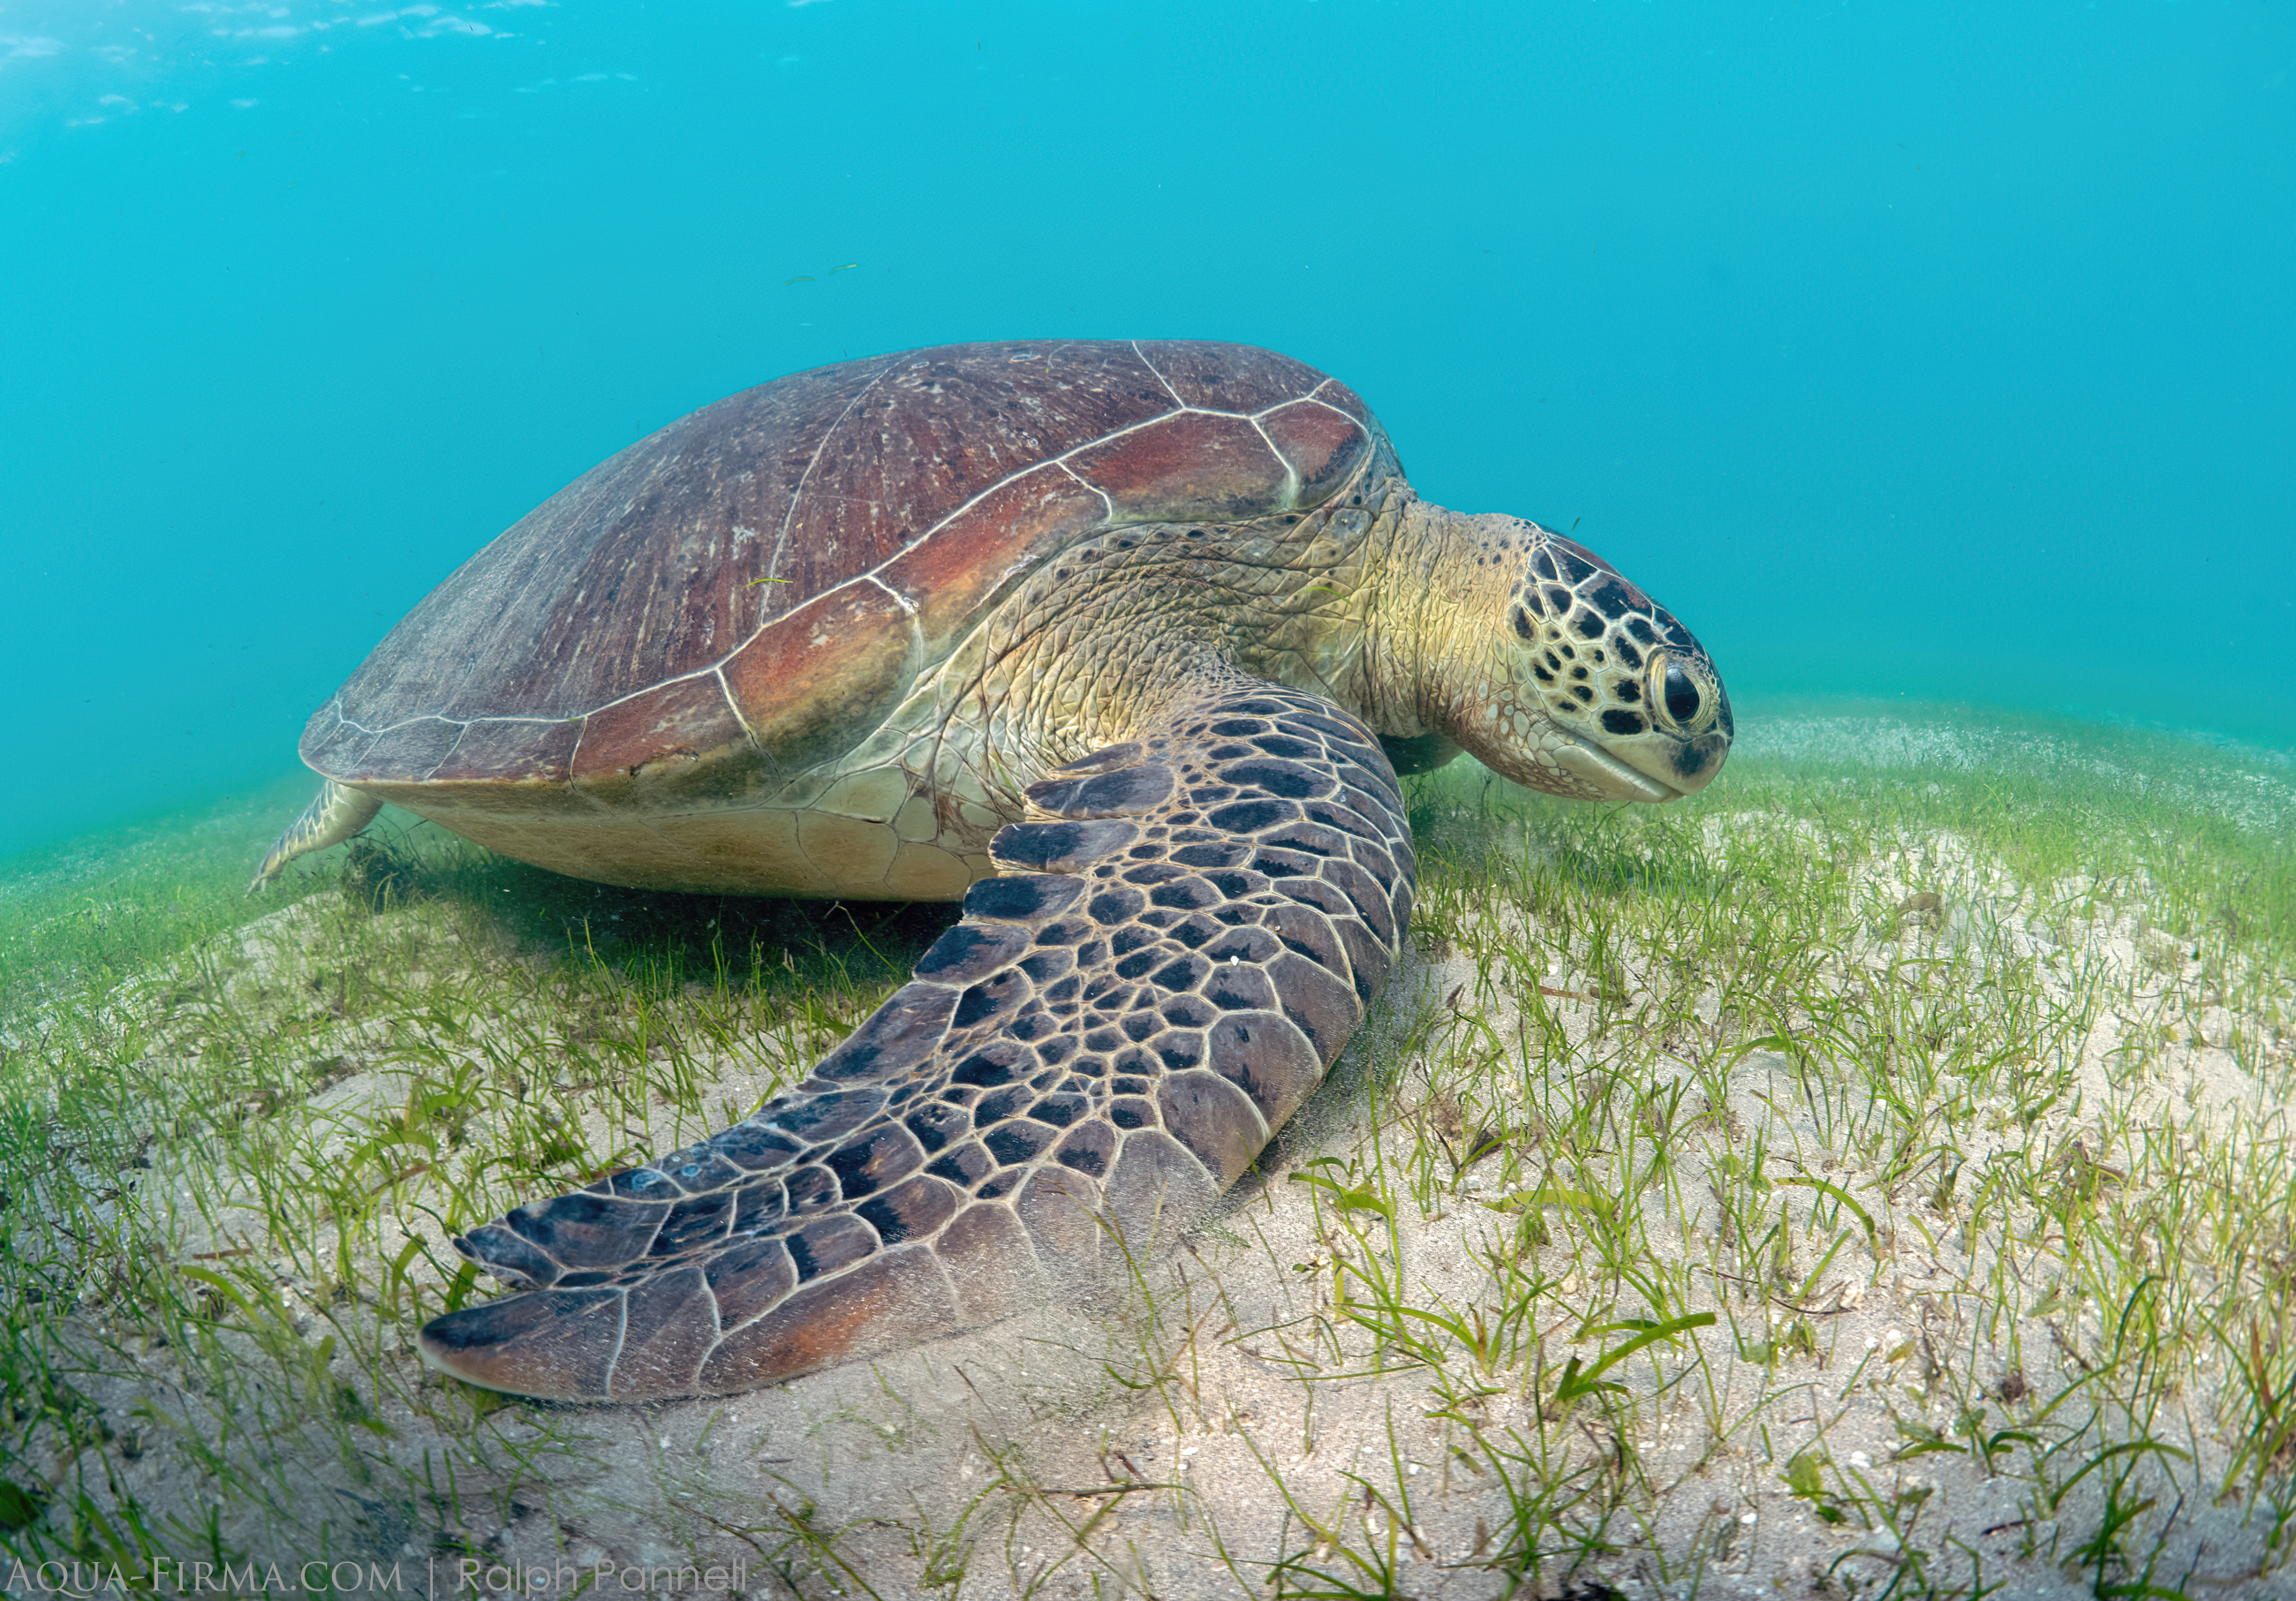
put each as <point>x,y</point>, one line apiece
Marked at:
<point>749,592</point>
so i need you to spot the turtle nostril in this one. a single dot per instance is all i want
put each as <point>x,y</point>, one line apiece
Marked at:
<point>1681,694</point>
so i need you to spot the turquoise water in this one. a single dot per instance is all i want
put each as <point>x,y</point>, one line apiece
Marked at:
<point>1906,351</point>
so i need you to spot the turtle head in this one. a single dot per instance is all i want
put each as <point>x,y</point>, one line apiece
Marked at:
<point>1588,687</point>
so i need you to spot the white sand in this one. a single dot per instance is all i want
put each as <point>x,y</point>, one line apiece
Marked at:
<point>1146,1443</point>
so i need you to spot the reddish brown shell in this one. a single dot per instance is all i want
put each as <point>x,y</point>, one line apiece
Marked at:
<point>766,578</point>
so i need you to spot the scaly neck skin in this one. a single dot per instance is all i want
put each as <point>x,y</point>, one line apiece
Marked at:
<point>1441,583</point>
<point>1383,606</point>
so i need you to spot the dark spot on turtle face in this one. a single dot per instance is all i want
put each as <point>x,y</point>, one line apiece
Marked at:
<point>1524,628</point>
<point>1579,672</point>
<point>1541,674</point>
<point>1614,598</point>
<point>1569,551</point>
<point>1629,654</point>
<point>1586,696</point>
<point>1628,690</point>
<point>1619,720</point>
<point>1589,626</point>
<point>1692,759</point>
<point>1558,599</point>
<point>1675,635</point>
<point>1640,627</point>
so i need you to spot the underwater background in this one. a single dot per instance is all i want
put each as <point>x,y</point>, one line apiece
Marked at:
<point>1916,351</point>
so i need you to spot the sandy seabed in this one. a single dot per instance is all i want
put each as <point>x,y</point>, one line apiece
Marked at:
<point>1234,1424</point>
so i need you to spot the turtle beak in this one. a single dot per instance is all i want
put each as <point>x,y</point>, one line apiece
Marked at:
<point>1583,759</point>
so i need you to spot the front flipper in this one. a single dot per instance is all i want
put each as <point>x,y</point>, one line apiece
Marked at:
<point>1178,950</point>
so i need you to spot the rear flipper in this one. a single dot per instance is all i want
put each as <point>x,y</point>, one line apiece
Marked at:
<point>1106,1040</point>
<point>335,814</point>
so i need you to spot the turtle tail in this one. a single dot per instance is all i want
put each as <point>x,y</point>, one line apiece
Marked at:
<point>336,813</point>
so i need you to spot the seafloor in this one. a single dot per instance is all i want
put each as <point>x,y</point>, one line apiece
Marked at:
<point>1871,1177</point>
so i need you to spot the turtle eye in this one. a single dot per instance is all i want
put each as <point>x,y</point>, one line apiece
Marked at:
<point>1681,695</point>
<point>1676,690</point>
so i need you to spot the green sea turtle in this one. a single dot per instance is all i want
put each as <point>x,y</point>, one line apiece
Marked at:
<point>1122,643</point>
